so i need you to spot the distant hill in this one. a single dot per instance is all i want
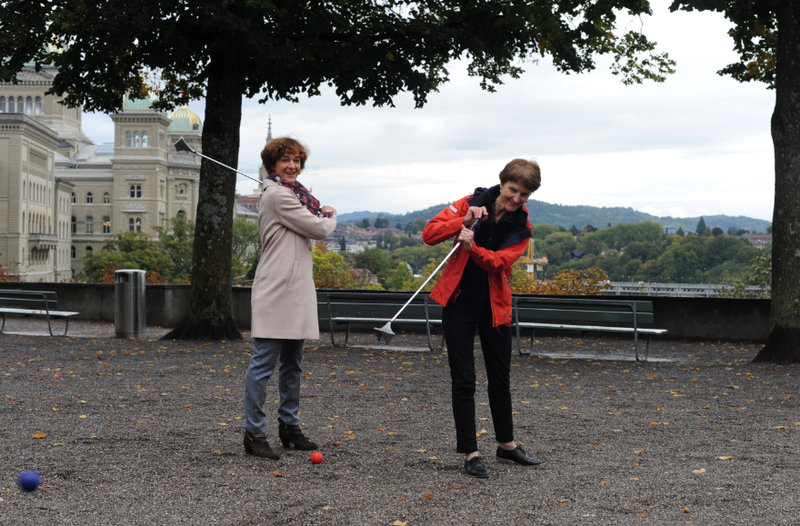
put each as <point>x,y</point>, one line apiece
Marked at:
<point>355,216</point>
<point>581,215</point>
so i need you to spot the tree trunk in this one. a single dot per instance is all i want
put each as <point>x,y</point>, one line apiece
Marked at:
<point>210,300</point>
<point>783,345</point>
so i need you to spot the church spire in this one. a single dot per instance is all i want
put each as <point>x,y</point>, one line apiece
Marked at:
<point>269,129</point>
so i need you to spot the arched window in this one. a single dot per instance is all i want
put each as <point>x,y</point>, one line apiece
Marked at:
<point>128,139</point>
<point>74,225</point>
<point>181,214</point>
<point>135,223</point>
<point>72,252</point>
<point>73,197</point>
<point>20,105</point>
<point>11,107</point>
<point>2,104</point>
<point>89,225</point>
<point>88,249</point>
<point>106,225</point>
<point>89,198</point>
<point>136,191</point>
<point>106,198</point>
<point>29,105</point>
<point>135,139</point>
<point>37,109</point>
<point>23,222</point>
<point>144,139</point>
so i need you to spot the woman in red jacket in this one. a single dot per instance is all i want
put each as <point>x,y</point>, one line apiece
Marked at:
<point>475,293</point>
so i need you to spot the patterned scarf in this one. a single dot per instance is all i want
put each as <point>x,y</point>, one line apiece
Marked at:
<point>305,197</point>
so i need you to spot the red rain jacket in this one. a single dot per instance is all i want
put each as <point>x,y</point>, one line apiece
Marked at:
<point>498,264</point>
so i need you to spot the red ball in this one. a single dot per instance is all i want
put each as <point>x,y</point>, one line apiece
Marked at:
<point>316,457</point>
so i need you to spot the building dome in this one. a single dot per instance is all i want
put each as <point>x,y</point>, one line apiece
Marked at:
<point>185,120</point>
<point>139,104</point>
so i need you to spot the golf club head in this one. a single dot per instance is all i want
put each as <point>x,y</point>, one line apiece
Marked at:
<point>384,334</point>
<point>181,146</point>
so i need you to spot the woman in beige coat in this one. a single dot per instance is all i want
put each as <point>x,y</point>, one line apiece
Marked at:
<point>284,300</point>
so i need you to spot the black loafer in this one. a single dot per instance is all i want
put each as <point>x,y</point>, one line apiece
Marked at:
<point>475,468</point>
<point>516,455</point>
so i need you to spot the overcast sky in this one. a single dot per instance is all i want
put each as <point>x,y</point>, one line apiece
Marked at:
<point>698,144</point>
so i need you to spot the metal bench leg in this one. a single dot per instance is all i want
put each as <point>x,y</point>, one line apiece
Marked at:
<point>516,319</point>
<point>347,334</point>
<point>330,322</point>
<point>4,323</point>
<point>647,349</point>
<point>427,323</point>
<point>49,328</point>
<point>533,338</point>
<point>66,330</point>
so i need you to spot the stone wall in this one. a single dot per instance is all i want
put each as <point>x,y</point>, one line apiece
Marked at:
<point>167,306</point>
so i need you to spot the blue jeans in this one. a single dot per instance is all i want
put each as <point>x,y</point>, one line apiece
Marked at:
<point>266,353</point>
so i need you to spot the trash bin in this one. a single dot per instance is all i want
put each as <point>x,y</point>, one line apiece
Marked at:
<point>129,287</point>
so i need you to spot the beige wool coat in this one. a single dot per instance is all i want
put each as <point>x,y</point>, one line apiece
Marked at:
<point>284,299</point>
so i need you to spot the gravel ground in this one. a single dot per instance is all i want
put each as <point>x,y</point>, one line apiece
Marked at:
<point>127,431</point>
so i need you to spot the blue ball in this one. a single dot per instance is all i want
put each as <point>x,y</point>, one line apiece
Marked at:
<point>29,481</point>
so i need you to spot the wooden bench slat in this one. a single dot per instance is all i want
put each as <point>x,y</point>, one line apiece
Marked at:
<point>590,328</point>
<point>584,315</point>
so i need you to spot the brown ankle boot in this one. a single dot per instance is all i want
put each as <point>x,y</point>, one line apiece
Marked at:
<point>258,447</point>
<point>294,435</point>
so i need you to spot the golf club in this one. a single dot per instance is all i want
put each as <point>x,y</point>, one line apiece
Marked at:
<point>181,146</point>
<point>385,333</point>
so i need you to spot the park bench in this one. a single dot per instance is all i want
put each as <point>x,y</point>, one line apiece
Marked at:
<point>584,315</point>
<point>32,303</point>
<point>376,309</point>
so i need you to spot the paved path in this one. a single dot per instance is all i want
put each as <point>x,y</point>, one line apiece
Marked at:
<point>149,432</point>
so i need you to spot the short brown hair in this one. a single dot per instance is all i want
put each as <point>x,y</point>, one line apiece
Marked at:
<point>277,148</point>
<point>520,171</point>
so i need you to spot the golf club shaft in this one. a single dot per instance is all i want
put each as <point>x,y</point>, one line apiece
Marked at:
<point>181,145</point>
<point>432,274</point>
<point>228,167</point>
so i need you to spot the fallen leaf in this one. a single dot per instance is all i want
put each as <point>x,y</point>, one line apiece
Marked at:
<point>216,452</point>
<point>187,406</point>
<point>560,502</point>
<point>641,515</point>
<point>38,435</point>
<point>779,427</point>
<point>421,450</point>
<point>603,482</point>
<point>724,458</point>
<point>325,507</point>
<point>433,458</point>
<point>277,474</point>
<point>457,486</point>
<point>634,478</point>
<point>639,451</point>
<point>399,523</point>
<point>429,496</point>
<point>591,445</point>
<point>686,510</point>
<point>698,471</point>
<point>82,416</point>
<point>576,414</point>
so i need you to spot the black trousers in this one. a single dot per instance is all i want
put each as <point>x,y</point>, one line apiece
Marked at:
<point>459,320</point>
